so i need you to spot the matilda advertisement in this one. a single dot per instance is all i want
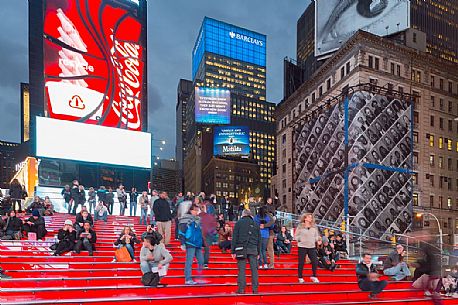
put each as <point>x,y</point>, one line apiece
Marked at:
<point>231,140</point>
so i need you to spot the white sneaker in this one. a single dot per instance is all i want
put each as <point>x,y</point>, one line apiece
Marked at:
<point>315,279</point>
<point>301,280</point>
<point>427,293</point>
<point>266,266</point>
<point>114,260</point>
<point>455,295</point>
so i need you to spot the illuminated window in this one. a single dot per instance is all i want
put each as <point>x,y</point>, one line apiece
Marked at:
<point>431,160</point>
<point>415,199</point>
<point>441,162</point>
<point>449,144</point>
<point>431,141</point>
<point>441,142</point>
<point>449,202</point>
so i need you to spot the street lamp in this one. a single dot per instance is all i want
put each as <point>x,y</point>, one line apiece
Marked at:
<point>418,215</point>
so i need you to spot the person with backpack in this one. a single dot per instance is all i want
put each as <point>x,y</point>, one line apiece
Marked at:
<point>246,246</point>
<point>191,239</point>
<point>154,255</point>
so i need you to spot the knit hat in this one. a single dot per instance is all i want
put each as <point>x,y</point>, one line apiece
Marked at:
<point>325,239</point>
<point>35,212</point>
<point>68,222</point>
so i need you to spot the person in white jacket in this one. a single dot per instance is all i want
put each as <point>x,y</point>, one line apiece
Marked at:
<point>306,235</point>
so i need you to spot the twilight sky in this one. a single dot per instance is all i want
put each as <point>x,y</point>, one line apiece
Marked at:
<point>172,30</point>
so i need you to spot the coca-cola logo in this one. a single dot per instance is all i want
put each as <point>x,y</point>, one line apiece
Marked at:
<point>125,59</point>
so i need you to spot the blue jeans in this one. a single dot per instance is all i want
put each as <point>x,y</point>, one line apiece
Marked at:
<point>398,272</point>
<point>263,255</point>
<point>146,266</point>
<point>91,205</point>
<point>103,217</point>
<point>192,252</point>
<point>133,206</point>
<point>130,249</point>
<point>144,216</point>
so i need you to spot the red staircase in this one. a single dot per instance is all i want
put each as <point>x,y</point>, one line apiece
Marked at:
<point>39,278</point>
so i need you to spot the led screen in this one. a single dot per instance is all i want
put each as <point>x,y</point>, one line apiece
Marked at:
<point>212,106</point>
<point>336,20</point>
<point>228,40</point>
<point>94,62</point>
<point>231,140</point>
<point>379,153</point>
<point>60,139</point>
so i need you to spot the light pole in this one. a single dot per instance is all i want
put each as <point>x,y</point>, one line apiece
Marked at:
<point>441,243</point>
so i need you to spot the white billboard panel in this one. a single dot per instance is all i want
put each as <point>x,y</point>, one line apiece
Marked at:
<point>337,20</point>
<point>68,140</point>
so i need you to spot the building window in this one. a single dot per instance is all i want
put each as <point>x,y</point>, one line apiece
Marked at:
<point>432,81</point>
<point>433,102</point>
<point>347,67</point>
<point>441,123</point>
<point>320,91</point>
<point>377,63</point>
<point>449,144</point>
<point>398,70</point>
<point>431,140</point>
<point>431,180</point>
<point>283,139</point>
<point>415,157</point>
<point>415,179</point>
<point>392,68</point>
<point>431,121</point>
<point>450,125</point>
<point>414,37</point>
<point>284,184</point>
<point>371,61</point>
<point>401,89</point>
<point>342,72</point>
<point>313,97</point>
<point>415,199</point>
<point>431,200</point>
<point>441,162</point>
<point>415,137</point>
<point>328,84</point>
<point>441,142</point>
<point>441,83</point>
<point>416,117</point>
<point>441,104</point>
<point>449,164</point>
<point>431,160</point>
<point>441,202</point>
<point>283,168</point>
<point>450,87</point>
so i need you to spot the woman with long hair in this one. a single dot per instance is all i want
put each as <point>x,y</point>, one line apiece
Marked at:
<point>127,239</point>
<point>306,235</point>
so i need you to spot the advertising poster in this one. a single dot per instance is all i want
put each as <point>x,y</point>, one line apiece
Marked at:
<point>336,21</point>
<point>212,106</point>
<point>94,62</point>
<point>379,159</point>
<point>231,141</point>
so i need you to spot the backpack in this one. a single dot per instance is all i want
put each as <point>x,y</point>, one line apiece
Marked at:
<point>193,235</point>
<point>150,279</point>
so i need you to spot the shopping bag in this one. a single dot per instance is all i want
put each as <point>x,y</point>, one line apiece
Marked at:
<point>122,255</point>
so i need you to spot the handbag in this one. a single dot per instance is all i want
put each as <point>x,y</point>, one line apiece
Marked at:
<point>240,252</point>
<point>150,279</point>
<point>122,255</point>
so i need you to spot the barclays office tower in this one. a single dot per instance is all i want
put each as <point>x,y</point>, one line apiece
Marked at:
<point>232,58</point>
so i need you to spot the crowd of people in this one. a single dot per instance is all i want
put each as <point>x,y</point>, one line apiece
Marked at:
<point>201,222</point>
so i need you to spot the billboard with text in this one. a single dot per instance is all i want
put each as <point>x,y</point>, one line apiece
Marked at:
<point>212,106</point>
<point>231,141</point>
<point>94,62</point>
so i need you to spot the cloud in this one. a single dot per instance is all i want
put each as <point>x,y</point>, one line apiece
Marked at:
<point>172,30</point>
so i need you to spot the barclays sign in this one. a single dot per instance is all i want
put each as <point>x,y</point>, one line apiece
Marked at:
<point>245,38</point>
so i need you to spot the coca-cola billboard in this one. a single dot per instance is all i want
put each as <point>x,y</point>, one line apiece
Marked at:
<point>94,60</point>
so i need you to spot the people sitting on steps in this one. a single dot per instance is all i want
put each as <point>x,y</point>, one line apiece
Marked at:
<point>368,278</point>
<point>35,224</point>
<point>325,255</point>
<point>127,239</point>
<point>82,217</point>
<point>66,237</point>
<point>86,239</point>
<point>13,227</point>
<point>154,257</point>
<point>101,212</point>
<point>283,241</point>
<point>225,237</point>
<point>395,266</point>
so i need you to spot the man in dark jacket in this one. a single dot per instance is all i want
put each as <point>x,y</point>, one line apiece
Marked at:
<point>35,224</point>
<point>16,194</point>
<point>74,195</point>
<point>368,278</point>
<point>86,239</point>
<point>161,209</point>
<point>13,226</point>
<point>67,238</point>
<point>246,245</point>
<point>81,218</point>
<point>394,265</point>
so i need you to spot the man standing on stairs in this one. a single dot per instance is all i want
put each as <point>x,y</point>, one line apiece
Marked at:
<point>246,245</point>
<point>191,241</point>
<point>161,209</point>
<point>154,197</point>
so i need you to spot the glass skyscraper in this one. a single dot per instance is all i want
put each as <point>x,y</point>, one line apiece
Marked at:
<point>226,56</point>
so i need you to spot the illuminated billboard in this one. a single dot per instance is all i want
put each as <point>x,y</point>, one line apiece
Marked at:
<point>228,40</point>
<point>231,141</point>
<point>94,62</point>
<point>336,21</point>
<point>91,143</point>
<point>212,106</point>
